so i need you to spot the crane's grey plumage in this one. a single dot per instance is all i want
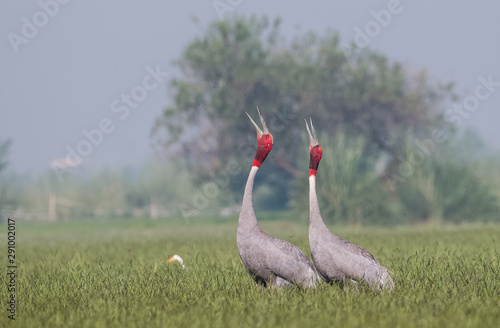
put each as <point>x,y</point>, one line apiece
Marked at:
<point>270,261</point>
<point>337,259</point>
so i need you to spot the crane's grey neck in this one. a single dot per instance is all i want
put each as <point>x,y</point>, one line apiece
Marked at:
<point>315,219</point>
<point>247,219</point>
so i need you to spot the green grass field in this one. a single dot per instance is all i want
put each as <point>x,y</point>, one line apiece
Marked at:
<point>114,274</point>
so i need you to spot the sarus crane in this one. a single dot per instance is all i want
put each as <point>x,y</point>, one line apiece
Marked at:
<point>336,259</point>
<point>270,261</point>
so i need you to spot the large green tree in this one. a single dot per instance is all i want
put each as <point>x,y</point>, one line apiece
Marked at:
<point>242,63</point>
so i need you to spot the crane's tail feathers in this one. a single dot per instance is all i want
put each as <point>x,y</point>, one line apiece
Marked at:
<point>308,280</point>
<point>312,279</point>
<point>385,280</point>
<point>279,282</point>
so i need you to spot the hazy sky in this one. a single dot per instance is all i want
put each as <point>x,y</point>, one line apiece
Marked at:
<point>69,74</point>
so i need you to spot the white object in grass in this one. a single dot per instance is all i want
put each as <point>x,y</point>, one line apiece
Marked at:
<point>178,259</point>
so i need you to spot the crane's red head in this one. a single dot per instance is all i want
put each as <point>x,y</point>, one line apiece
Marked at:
<point>314,149</point>
<point>264,141</point>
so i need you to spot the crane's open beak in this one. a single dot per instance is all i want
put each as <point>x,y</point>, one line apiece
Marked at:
<point>313,138</point>
<point>259,131</point>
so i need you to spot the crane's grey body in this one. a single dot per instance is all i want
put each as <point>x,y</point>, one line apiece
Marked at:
<point>269,260</point>
<point>337,259</point>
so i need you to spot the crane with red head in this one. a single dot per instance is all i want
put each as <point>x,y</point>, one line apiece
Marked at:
<point>270,261</point>
<point>337,259</point>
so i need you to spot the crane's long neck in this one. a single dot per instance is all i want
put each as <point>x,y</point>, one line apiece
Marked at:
<point>315,219</point>
<point>247,219</point>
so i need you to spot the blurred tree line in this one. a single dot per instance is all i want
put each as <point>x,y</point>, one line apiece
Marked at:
<point>390,156</point>
<point>376,120</point>
<point>151,191</point>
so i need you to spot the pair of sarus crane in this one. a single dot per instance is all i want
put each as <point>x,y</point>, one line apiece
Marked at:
<point>273,262</point>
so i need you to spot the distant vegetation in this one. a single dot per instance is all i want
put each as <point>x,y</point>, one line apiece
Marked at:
<point>391,155</point>
<point>456,183</point>
<point>4,152</point>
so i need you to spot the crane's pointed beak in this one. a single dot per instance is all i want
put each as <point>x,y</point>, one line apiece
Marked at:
<point>170,260</point>
<point>313,138</point>
<point>266,131</point>
<point>259,131</point>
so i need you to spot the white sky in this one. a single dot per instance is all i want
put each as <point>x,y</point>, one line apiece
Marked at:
<point>66,77</point>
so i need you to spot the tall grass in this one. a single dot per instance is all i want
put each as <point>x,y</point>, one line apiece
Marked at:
<point>114,274</point>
